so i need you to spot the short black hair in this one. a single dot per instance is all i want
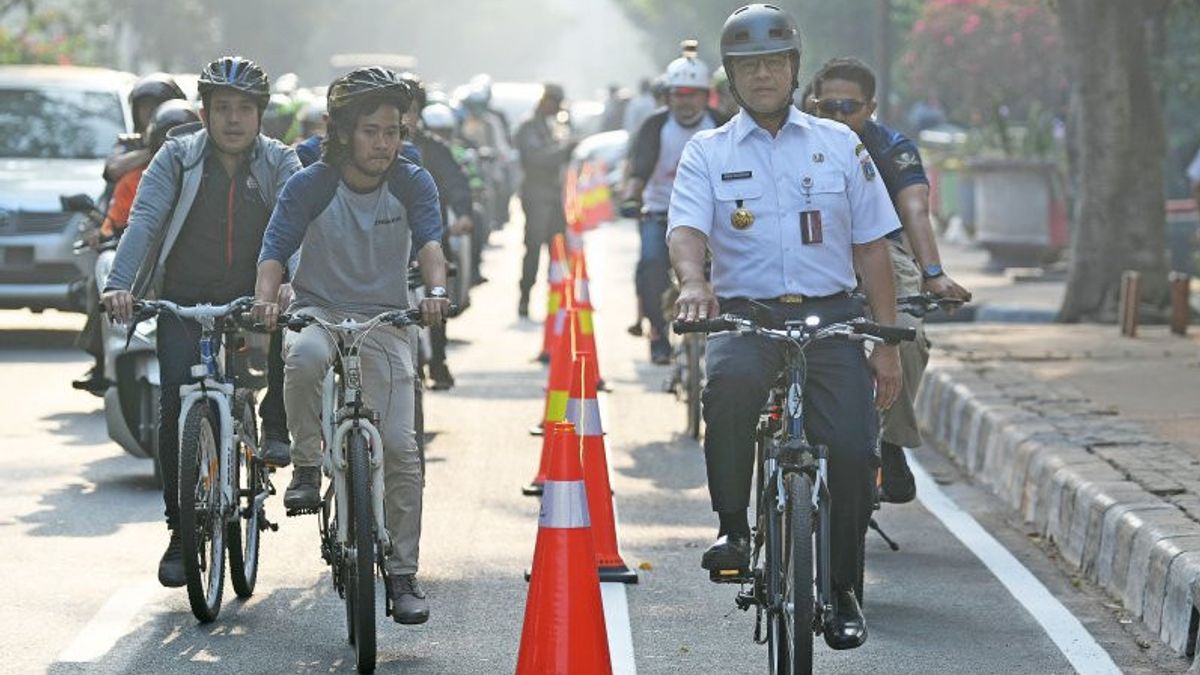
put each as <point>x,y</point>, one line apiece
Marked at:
<point>850,69</point>
<point>336,150</point>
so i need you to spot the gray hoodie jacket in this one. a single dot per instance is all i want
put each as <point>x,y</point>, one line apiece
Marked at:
<point>165,195</point>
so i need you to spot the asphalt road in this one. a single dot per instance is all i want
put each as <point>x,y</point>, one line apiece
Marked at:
<point>81,532</point>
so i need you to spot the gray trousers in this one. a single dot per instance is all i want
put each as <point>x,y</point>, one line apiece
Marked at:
<point>388,381</point>
<point>839,412</point>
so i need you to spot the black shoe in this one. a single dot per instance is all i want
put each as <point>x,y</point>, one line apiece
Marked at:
<point>523,306</point>
<point>409,606</point>
<point>440,374</point>
<point>660,352</point>
<point>275,450</point>
<point>170,568</point>
<point>304,492</point>
<point>898,485</point>
<point>635,329</point>
<point>846,629</point>
<point>93,381</point>
<point>729,552</point>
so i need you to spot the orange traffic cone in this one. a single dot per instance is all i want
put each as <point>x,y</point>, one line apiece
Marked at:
<point>564,631</point>
<point>583,302</point>
<point>559,326</point>
<point>557,277</point>
<point>583,411</point>
<point>557,390</point>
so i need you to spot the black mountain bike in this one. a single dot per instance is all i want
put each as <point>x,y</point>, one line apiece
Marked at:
<point>789,576</point>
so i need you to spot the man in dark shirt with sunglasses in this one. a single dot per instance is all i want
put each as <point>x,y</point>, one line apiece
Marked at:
<point>844,90</point>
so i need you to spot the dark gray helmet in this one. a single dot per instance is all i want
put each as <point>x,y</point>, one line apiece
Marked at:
<point>758,29</point>
<point>167,116</point>
<point>374,82</point>
<point>159,86</point>
<point>238,74</point>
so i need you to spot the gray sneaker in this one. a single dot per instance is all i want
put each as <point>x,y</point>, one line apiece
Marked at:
<point>409,606</point>
<point>275,451</point>
<point>304,492</point>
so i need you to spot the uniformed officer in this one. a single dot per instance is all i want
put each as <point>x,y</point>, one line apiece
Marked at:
<point>844,90</point>
<point>789,205</point>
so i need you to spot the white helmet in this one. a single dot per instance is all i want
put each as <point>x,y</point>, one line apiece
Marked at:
<point>439,117</point>
<point>687,71</point>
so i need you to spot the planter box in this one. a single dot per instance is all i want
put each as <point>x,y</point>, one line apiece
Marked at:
<point>1020,215</point>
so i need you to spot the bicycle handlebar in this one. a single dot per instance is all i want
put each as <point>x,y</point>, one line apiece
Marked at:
<point>400,318</point>
<point>801,331</point>
<point>924,303</point>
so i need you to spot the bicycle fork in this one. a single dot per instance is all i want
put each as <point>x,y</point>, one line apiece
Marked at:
<point>219,393</point>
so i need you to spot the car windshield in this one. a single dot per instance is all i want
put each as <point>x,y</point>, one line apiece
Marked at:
<point>58,123</point>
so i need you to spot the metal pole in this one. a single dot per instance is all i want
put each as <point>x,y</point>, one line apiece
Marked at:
<point>1180,308</point>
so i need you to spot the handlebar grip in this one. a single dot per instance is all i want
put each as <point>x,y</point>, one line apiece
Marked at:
<point>702,326</point>
<point>294,322</point>
<point>889,334</point>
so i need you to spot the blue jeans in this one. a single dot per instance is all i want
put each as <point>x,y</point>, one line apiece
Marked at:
<point>652,277</point>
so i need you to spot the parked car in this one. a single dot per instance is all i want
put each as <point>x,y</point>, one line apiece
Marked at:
<point>57,125</point>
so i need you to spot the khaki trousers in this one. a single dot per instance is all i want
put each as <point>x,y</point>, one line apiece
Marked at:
<point>900,421</point>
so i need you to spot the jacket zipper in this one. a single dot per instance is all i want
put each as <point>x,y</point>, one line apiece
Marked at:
<point>229,223</point>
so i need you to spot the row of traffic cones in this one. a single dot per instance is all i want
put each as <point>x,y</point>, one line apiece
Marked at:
<point>564,630</point>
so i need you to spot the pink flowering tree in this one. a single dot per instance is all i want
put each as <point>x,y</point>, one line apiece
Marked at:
<point>992,63</point>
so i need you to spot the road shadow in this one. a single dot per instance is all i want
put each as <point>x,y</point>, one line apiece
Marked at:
<point>39,339</point>
<point>678,465</point>
<point>76,428</point>
<point>108,494</point>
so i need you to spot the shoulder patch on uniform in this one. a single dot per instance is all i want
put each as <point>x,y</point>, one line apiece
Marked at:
<point>859,149</point>
<point>868,167</point>
<point>907,160</point>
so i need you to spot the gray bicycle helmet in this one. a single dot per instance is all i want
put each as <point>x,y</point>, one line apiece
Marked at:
<point>236,73</point>
<point>756,30</point>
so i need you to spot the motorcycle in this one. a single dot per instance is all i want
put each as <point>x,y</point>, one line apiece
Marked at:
<point>130,360</point>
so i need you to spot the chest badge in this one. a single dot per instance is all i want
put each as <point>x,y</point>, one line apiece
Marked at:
<point>742,218</point>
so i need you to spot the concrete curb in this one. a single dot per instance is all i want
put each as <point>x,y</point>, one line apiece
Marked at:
<point>1142,549</point>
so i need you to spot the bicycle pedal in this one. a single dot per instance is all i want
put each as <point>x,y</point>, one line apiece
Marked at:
<point>304,512</point>
<point>731,576</point>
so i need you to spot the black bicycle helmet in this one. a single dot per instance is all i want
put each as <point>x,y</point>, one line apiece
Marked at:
<point>373,82</point>
<point>236,73</point>
<point>159,86</point>
<point>169,115</point>
<point>756,30</point>
<point>416,87</point>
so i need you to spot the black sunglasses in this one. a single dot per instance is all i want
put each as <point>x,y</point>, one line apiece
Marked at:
<point>845,106</point>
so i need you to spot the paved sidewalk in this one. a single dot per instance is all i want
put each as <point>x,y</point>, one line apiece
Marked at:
<point>1094,439</point>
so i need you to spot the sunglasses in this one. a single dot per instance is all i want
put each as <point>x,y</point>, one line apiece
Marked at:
<point>843,106</point>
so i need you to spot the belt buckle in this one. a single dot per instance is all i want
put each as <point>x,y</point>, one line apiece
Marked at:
<point>791,299</point>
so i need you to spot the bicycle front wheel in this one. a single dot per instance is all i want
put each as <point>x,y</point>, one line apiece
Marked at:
<point>244,532</point>
<point>360,582</point>
<point>693,346</point>
<point>798,604</point>
<point>201,516</point>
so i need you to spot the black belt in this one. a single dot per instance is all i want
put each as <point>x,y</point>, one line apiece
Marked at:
<point>654,215</point>
<point>896,235</point>
<point>790,299</point>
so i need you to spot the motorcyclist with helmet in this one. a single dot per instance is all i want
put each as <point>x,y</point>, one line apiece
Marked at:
<point>193,237</point>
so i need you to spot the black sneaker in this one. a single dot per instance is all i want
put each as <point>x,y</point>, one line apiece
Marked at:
<point>729,556</point>
<point>275,450</point>
<point>523,306</point>
<point>170,569</point>
<point>304,492</point>
<point>897,485</point>
<point>93,381</point>
<point>409,605</point>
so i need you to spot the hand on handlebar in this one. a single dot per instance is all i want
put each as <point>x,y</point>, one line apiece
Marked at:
<point>119,304</point>
<point>945,287</point>
<point>265,313</point>
<point>696,302</point>
<point>434,311</point>
<point>885,364</point>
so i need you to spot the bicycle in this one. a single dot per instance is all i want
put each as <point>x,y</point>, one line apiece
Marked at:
<point>687,379</point>
<point>789,575</point>
<point>354,538</point>
<point>223,485</point>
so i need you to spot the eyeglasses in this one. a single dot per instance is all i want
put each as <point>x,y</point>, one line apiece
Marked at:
<point>835,106</point>
<point>746,66</point>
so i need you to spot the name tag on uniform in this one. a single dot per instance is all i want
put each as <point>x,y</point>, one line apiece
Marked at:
<point>810,227</point>
<point>737,175</point>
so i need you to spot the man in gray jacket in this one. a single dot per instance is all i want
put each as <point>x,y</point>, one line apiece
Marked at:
<point>193,237</point>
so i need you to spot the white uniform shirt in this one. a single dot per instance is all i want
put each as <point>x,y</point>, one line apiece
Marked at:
<point>811,165</point>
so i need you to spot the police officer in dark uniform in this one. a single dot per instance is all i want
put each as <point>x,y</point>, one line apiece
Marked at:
<point>844,90</point>
<point>789,206</point>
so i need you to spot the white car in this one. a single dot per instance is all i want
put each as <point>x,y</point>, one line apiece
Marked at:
<point>57,126</point>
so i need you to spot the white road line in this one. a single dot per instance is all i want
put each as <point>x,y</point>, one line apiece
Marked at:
<point>616,621</point>
<point>1072,639</point>
<point>111,623</point>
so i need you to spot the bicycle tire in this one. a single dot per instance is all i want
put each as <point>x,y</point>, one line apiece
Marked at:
<point>773,576</point>
<point>244,535</point>
<point>360,593</point>
<point>692,345</point>
<point>200,514</point>
<point>800,572</point>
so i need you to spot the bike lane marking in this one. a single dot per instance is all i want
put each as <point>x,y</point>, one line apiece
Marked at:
<point>614,595</point>
<point>1062,627</point>
<point>109,624</point>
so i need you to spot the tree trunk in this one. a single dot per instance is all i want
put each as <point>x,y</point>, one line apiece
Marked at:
<point>1119,137</point>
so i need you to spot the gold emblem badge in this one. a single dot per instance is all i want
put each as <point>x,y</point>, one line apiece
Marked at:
<point>742,218</point>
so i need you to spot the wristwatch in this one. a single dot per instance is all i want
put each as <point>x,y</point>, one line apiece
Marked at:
<point>436,292</point>
<point>933,271</point>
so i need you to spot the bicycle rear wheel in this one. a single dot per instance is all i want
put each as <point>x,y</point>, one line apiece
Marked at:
<point>360,582</point>
<point>244,532</point>
<point>774,568</point>
<point>201,515</point>
<point>798,579</point>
